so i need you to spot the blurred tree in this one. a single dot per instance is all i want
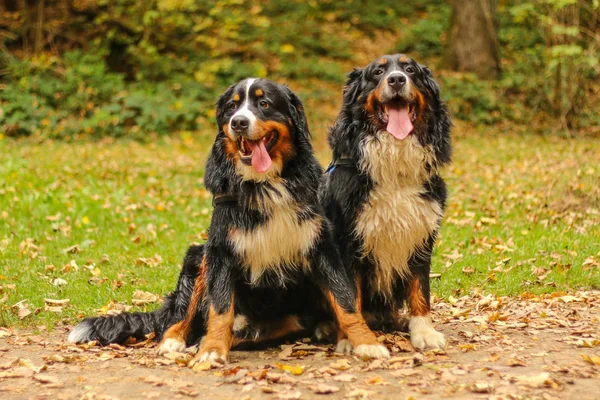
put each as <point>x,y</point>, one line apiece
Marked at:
<point>473,40</point>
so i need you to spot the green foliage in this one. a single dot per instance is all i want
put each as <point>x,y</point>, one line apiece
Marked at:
<point>551,54</point>
<point>423,35</point>
<point>76,96</point>
<point>144,68</point>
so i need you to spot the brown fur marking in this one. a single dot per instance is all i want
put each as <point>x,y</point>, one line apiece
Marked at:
<point>352,325</point>
<point>279,329</point>
<point>180,330</point>
<point>259,93</point>
<point>416,301</point>
<point>236,97</point>
<point>283,150</point>
<point>383,61</point>
<point>219,332</point>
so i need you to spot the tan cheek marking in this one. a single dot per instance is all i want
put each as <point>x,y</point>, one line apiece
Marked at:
<point>231,148</point>
<point>373,97</point>
<point>259,92</point>
<point>236,97</point>
<point>420,99</point>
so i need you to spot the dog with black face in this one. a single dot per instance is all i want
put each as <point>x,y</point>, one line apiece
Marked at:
<point>270,266</point>
<point>383,191</point>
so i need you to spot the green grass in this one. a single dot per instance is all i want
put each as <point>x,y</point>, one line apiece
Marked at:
<point>519,208</point>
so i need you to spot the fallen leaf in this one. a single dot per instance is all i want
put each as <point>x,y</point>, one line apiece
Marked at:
<point>342,364</point>
<point>594,360</point>
<point>344,378</point>
<point>324,389</point>
<point>294,370</point>
<point>481,387</point>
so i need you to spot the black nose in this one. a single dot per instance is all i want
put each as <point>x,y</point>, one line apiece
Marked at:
<point>396,81</point>
<point>240,124</point>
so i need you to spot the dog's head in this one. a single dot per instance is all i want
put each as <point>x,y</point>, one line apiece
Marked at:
<point>396,94</point>
<point>264,126</point>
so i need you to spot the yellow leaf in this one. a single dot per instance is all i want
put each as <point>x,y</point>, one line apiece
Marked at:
<point>294,370</point>
<point>203,366</point>
<point>287,48</point>
<point>594,360</point>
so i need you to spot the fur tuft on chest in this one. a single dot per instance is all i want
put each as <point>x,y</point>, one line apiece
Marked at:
<point>396,219</point>
<point>281,243</point>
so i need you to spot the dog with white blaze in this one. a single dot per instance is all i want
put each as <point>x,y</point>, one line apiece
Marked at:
<point>383,191</point>
<point>270,267</point>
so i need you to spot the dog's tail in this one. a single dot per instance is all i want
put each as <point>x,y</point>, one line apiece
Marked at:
<point>119,328</point>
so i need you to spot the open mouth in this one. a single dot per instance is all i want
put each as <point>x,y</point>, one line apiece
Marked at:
<point>256,152</point>
<point>398,115</point>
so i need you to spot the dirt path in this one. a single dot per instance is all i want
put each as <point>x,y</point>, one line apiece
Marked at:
<point>499,348</point>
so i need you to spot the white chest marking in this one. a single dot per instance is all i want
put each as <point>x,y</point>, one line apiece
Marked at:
<point>396,220</point>
<point>281,243</point>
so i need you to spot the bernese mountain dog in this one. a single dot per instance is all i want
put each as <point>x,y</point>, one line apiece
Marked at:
<point>270,266</point>
<point>383,191</point>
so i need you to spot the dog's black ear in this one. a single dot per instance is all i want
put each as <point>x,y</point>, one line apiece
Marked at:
<point>439,130</point>
<point>298,115</point>
<point>353,86</point>
<point>429,82</point>
<point>222,105</point>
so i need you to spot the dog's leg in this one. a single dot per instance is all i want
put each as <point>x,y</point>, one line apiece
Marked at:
<point>219,336</point>
<point>354,327</point>
<point>344,297</point>
<point>422,333</point>
<point>216,344</point>
<point>175,338</point>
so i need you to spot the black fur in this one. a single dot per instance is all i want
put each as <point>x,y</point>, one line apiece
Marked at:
<point>273,296</point>
<point>348,185</point>
<point>119,328</point>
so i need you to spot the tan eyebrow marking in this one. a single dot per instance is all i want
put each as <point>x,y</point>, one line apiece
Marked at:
<point>236,97</point>
<point>404,59</point>
<point>383,61</point>
<point>259,92</point>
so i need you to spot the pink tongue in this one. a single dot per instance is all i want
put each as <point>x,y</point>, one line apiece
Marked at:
<point>399,124</point>
<point>261,161</point>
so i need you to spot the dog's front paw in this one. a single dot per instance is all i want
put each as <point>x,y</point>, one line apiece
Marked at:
<point>371,351</point>
<point>169,345</point>
<point>344,347</point>
<point>424,336</point>
<point>213,355</point>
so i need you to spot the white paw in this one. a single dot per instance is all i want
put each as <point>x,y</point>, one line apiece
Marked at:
<point>424,336</point>
<point>344,347</point>
<point>169,345</point>
<point>212,356</point>
<point>325,331</point>
<point>371,351</point>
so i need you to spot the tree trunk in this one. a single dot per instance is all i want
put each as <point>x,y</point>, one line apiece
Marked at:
<point>473,40</point>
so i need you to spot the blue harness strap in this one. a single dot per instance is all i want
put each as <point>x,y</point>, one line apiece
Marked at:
<point>345,162</point>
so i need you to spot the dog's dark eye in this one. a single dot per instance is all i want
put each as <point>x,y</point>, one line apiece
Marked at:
<point>378,72</point>
<point>410,70</point>
<point>232,106</point>
<point>263,104</point>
